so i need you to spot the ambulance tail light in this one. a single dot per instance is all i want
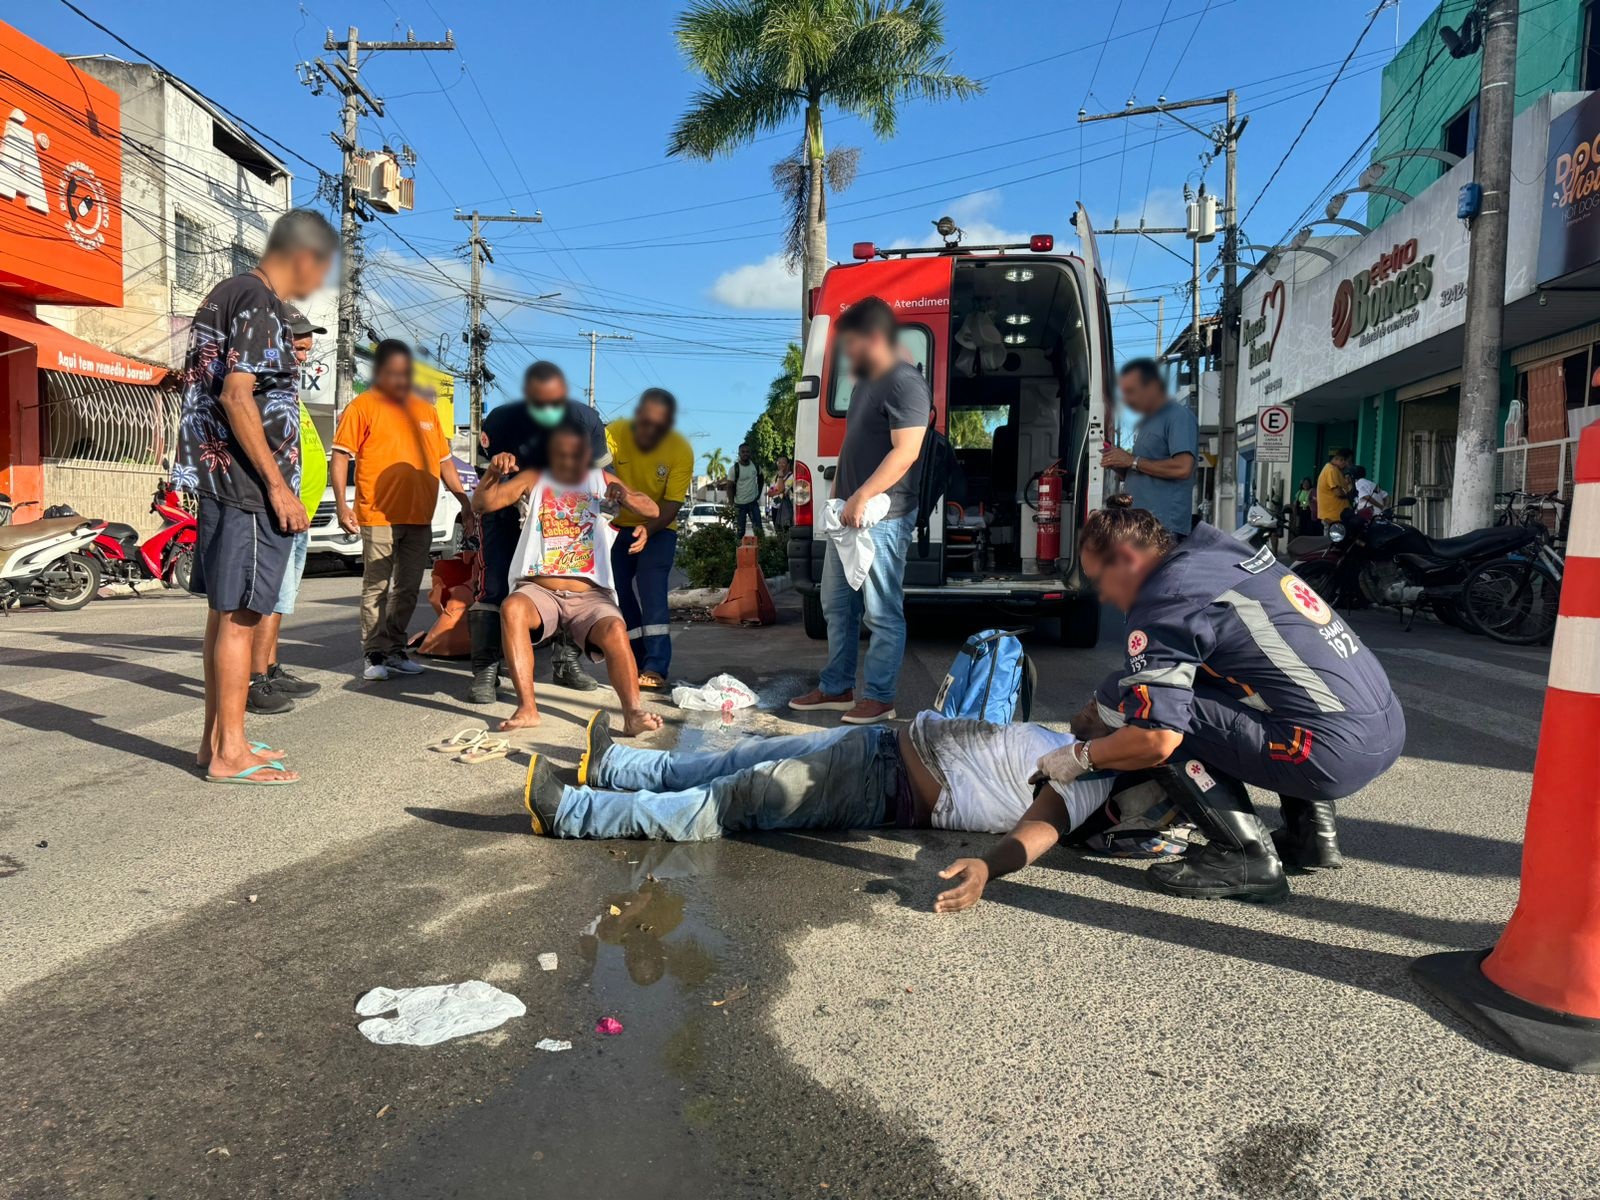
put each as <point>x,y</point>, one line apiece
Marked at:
<point>864,251</point>
<point>1042,243</point>
<point>802,494</point>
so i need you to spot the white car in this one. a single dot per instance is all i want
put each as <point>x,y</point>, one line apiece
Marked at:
<point>702,514</point>
<point>328,538</point>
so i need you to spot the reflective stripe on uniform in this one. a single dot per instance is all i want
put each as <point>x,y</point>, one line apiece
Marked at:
<point>1279,653</point>
<point>1179,675</point>
<point>1112,718</point>
<point>657,630</point>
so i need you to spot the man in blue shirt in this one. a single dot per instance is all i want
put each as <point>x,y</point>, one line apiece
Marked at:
<point>1160,470</point>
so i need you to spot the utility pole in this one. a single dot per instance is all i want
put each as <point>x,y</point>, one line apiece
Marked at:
<point>1472,495</point>
<point>477,334</point>
<point>345,76</point>
<point>595,339</point>
<point>1224,140</point>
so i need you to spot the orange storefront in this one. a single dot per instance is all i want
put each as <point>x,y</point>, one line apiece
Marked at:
<point>61,228</point>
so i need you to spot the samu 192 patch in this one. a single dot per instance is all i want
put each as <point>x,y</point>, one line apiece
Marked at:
<point>1196,770</point>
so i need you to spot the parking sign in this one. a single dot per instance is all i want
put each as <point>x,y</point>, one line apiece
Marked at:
<point>1274,434</point>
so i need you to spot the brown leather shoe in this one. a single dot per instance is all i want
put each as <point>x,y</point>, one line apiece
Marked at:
<point>869,712</point>
<point>818,699</point>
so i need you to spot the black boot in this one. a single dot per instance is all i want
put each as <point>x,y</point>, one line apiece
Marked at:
<point>484,626</point>
<point>565,668</point>
<point>1238,860</point>
<point>1309,838</point>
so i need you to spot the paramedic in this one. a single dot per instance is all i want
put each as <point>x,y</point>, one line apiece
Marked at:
<point>1237,672</point>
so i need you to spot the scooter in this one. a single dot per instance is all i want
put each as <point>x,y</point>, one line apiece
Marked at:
<point>1382,560</point>
<point>1258,523</point>
<point>166,555</point>
<point>49,560</point>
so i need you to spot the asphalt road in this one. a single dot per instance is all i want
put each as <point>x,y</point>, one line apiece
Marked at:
<point>179,962</point>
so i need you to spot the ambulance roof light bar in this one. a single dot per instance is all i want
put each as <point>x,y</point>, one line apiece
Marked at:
<point>1039,243</point>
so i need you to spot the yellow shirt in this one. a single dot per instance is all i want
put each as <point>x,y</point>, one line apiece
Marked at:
<point>664,473</point>
<point>1331,486</point>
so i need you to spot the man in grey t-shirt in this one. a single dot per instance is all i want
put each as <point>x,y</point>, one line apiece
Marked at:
<point>1160,470</point>
<point>887,421</point>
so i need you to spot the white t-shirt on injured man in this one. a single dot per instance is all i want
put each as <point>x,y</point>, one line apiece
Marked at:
<point>566,531</point>
<point>984,770</point>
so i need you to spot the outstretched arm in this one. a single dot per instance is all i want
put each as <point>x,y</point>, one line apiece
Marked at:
<point>1041,827</point>
<point>634,501</point>
<point>496,491</point>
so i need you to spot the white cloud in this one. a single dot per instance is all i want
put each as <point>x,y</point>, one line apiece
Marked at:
<point>975,214</point>
<point>768,284</point>
<point>1161,207</point>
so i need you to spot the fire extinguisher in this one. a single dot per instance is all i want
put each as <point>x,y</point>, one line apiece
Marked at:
<point>1047,513</point>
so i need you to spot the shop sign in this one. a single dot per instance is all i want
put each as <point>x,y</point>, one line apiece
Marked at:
<point>1384,297</point>
<point>1569,231</point>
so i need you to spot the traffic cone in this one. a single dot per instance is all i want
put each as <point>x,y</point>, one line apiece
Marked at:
<point>1538,991</point>
<point>748,602</point>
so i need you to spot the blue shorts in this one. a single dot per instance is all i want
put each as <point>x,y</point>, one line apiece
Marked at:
<point>293,573</point>
<point>240,558</point>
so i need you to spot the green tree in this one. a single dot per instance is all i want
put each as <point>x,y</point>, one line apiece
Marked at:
<point>717,464</point>
<point>767,62</point>
<point>969,430</point>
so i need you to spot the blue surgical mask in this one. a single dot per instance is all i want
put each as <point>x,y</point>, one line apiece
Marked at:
<point>548,415</point>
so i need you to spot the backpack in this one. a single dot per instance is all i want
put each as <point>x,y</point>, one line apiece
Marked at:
<point>938,474</point>
<point>992,680</point>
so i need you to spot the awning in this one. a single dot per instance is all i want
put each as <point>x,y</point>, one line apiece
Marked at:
<point>60,351</point>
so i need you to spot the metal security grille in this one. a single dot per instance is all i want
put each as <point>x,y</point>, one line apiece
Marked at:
<point>101,421</point>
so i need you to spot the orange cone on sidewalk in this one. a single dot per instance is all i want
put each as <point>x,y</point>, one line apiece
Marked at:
<point>748,602</point>
<point>1538,991</point>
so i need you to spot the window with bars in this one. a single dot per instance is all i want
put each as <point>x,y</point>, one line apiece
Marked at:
<point>189,246</point>
<point>242,260</point>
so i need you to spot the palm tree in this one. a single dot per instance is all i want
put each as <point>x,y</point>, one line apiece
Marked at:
<point>717,465</point>
<point>766,62</point>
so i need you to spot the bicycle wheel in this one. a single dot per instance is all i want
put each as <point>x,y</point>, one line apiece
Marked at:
<point>1512,600</point>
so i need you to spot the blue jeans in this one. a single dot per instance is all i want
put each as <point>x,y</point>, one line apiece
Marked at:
<point>750,515</point>
<point>881,602</point>
<point>842,778</point>
<point>641,583</point>
<point>293,574</point>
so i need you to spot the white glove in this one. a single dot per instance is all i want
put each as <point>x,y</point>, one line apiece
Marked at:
<point>1066,764</point>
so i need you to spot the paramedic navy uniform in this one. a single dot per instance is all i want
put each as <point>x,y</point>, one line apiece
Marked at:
<point>1264,680</point>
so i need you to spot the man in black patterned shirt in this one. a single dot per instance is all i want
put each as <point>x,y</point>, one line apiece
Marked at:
<point>239,453</point>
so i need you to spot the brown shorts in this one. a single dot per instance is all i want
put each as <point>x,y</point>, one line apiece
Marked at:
<point>578,612</point>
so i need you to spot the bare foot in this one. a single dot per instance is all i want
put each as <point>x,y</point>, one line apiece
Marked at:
<point>638,721</point>
<point>526,717</point>
<point>203,759</point>
<point>225,769</point>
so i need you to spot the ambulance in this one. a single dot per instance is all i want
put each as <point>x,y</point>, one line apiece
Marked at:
<point>1015,342</point>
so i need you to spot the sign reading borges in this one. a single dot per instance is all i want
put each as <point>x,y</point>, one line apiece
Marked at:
<point>60,178</point>
<point>1569,231</point>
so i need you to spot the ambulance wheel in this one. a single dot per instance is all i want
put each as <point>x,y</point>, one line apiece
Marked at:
<point>1080,623</point>
<point>811,611</point>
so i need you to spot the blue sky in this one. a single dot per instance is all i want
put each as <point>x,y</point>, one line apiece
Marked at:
<point>566,108</point>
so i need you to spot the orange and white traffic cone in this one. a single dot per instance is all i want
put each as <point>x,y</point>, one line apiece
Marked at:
<point>1538,991</point>
<point>748,601</point>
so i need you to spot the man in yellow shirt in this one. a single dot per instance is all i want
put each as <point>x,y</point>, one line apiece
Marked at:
<point>1333,486</point>
<point>647,454</point>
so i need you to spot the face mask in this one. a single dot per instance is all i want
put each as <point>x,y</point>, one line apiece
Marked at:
<point>548,415</point>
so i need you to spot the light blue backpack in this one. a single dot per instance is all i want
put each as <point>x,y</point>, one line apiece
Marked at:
<point>992,680</point>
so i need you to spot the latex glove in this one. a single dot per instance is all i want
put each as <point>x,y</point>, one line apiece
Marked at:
<point>1066,764</point>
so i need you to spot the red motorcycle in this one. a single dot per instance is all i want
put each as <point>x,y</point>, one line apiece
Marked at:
<point>167,554</point>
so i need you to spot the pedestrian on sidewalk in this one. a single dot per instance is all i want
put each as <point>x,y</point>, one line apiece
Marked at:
<point>746,484</point>
<point>1160,469</point>
<point>239,453</point>
<point>273,688</point>
<point>401,455</point>
<point>782,493</point>
<point>1334,488</point>
<point>889,409</point>
<point>523,431</point>
<point>653,458</point>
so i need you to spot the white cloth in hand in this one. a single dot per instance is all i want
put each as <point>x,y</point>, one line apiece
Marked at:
<point>856,548</point>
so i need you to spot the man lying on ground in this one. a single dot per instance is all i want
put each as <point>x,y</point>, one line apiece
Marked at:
<point>561,571</point>
<point>937,774</point>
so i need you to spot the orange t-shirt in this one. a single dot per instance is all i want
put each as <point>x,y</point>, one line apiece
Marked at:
<point>398,449</point>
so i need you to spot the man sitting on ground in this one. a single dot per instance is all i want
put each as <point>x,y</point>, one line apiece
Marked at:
<point>937,774</point>
<point>561,575</point>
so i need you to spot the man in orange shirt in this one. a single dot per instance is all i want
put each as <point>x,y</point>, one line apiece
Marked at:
<point>401,454</point>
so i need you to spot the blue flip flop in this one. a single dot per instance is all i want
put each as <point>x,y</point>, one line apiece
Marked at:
<point>247,776</point>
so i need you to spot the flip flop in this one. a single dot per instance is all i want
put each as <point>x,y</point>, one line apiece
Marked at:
<point>652,680</point>
<point>247,777</point>
<point>261,748</point>
<point>456,743</point>
<point>484,750</point>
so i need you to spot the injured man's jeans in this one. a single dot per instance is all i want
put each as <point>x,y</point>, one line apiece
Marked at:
<point>844,778</point>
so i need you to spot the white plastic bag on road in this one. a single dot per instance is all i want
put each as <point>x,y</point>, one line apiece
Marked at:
<point>856,549</point>
<point>425,1016</point>
<point>720,693</point>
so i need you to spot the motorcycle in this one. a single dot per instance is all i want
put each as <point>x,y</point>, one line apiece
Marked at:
<point>166,555</point>
<point>1381,560</point>
<point>49,560</point>
<point>1258,523</point>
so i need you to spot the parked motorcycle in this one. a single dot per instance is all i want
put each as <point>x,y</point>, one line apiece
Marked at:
<point>49,560</point>
<point>166,555</point>
<point>1381,560</point>
<point>1259,522</point>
